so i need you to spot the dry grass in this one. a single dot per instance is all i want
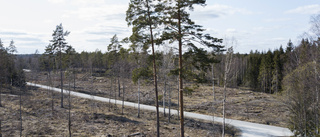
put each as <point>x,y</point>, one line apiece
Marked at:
<point>241,104</point>
<point>89,118</point>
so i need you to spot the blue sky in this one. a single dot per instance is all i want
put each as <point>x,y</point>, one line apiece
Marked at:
<point>255,24</point>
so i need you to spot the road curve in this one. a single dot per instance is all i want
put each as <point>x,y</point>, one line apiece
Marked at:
<point>248,129</point>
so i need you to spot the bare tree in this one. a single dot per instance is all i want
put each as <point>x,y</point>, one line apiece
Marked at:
<point>228,62</point>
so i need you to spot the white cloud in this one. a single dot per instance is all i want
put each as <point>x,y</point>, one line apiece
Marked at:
<point>231,30</point>
<point>222,10</point>
<point>87,2</point>
<point>278,39</point>
<point>308,9</point>
<point>259,29</point>
<point>57,1</point>
<point>49,21</point>
<point>277,19</point>
<point>100,12</point>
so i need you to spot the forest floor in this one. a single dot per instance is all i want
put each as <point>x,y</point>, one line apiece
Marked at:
<point>241,104</point>
<point>88,118</point>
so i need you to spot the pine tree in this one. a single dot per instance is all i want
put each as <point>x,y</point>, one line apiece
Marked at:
<point>12,48</point>
<point>59,46</point>
<point>179,27</point>
<point>142,16</point>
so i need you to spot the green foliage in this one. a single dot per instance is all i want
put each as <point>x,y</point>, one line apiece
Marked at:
<point>10,72</point>
<point>115,44</point>
<point>139,73</point>
<point>301,90</point>
<point>188,91</point>
<point>58,47</point>
<point>201,61</point>
<point>59,43</point>
<point>160,97</point>
<point>18,78</point>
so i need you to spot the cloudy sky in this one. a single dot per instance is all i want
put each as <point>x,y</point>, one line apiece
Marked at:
<point>255,24</point>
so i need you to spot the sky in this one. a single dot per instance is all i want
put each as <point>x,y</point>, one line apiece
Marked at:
<point>255,24</point>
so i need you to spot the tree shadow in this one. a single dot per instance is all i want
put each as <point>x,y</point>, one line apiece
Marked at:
<point>120,119</point>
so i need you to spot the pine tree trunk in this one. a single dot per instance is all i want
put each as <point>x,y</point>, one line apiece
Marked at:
<point>214,97</point>
<point>20,100</point>
<point>169,100</point>
<point>115,94</point>
<point>154,71</point>
<point>0,94</point>
<point>119,94</point>
<point>223,105</point>
<point>110,93</point>
<point>0,129</point>
<point>61,79</point>
<point>69,116</point>
<point>51,79</point>
<point>123,89</point>
<point>178,98</point>
<point>92,94</point>
<point>52,95</point>
<point>74,79</point>
<point>180,72</point>
<point>138,98</point>
<point>213,93</point>
<point>164,99</point>
<point>317,111</point>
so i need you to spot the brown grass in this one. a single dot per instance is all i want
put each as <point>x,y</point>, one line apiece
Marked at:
<point>89,118</point>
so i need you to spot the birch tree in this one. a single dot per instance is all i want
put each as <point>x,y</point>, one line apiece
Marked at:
<point>227,68</point>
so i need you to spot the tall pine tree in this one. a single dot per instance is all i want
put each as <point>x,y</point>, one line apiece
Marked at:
<point>180,28</point>
<point>143,16</point>
<point>59,46</point>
